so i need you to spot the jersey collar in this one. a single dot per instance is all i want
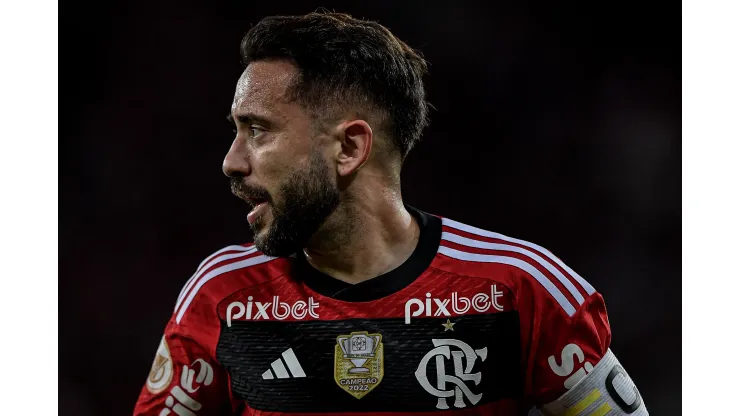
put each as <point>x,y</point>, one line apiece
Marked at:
<point>430,234</point>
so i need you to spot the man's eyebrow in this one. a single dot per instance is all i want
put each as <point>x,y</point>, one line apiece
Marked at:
<point>249,118</point>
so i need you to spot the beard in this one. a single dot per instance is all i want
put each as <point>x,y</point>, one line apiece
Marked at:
<point>308,198</point>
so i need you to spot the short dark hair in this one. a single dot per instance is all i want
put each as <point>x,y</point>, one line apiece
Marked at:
<point>347,63</point>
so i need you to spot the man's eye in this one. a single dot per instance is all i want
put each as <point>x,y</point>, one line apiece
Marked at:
<point>256,131</point>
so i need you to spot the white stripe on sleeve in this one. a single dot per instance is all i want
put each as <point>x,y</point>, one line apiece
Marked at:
<point>205,266</point>
<point>520,264</point>
<point>474,230</point>
<point>532,255</point>
<point>215,273</point>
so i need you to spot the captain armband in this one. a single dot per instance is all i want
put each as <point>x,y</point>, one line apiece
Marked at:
<point>606,390</point>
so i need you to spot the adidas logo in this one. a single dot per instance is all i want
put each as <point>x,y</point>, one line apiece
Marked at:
<point>280,370</point>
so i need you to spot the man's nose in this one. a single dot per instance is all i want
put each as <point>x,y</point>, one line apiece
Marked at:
<point>236,162</point>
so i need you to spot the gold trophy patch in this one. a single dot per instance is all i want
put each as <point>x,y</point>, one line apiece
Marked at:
<point>358,362</point>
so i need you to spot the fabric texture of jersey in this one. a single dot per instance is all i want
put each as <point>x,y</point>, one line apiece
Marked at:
<point>472,323</point>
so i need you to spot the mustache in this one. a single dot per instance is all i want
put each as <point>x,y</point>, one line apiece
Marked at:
<point>248,192</point>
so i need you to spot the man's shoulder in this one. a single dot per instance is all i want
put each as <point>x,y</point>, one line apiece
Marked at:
<point>232,268</point>
<point>520,265</point>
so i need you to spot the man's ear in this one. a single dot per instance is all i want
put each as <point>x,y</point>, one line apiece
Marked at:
<point>356,138</point>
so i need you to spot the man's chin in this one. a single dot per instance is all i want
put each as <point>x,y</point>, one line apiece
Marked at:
<point>273,243</point>
<point>268,246</point>
<point>261,232</point>
<point>258,227</point>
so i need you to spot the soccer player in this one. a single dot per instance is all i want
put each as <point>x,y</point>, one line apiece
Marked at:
<point>351,301</point>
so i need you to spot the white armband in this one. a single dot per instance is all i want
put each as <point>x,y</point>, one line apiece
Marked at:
<point>606,390</point>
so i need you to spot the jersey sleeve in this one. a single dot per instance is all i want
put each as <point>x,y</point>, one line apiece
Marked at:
<point>185,379</point>
<point>569,368</point>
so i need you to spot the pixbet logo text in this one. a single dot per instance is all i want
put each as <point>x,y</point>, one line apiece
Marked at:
<point>280,310</point>
<point>459,305</point>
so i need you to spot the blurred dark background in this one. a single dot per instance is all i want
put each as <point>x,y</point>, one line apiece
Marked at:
<point>558,124</point>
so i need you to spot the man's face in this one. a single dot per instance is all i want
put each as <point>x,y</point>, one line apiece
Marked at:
<point>277,164</point>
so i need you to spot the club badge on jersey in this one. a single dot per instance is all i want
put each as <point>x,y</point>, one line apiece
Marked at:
<point>450,386</point>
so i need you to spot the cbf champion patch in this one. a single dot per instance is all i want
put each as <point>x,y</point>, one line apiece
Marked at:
<point>358,362</point>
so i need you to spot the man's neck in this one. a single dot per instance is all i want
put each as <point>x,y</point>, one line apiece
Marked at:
<point>367,236</point>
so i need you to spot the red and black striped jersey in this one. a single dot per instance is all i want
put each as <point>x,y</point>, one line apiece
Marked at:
<point>472,323</point>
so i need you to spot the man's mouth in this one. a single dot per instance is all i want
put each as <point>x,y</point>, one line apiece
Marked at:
<point>259,207</point>
<point>256,198</point>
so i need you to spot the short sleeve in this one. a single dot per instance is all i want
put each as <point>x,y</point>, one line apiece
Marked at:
<point>560,345</point>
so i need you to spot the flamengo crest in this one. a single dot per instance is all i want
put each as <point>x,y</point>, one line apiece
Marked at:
<point>451,385</point>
